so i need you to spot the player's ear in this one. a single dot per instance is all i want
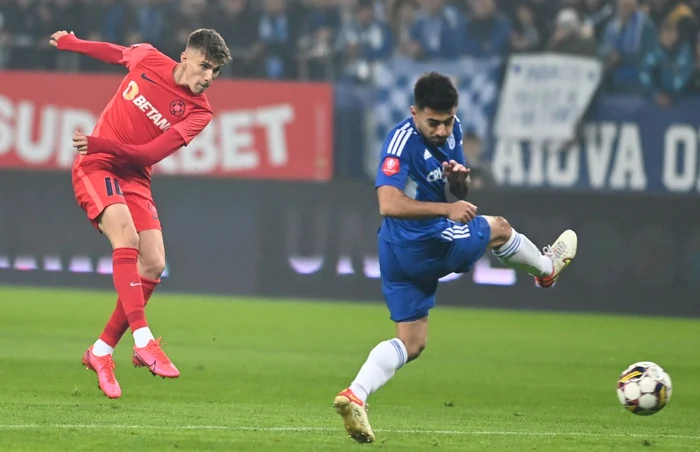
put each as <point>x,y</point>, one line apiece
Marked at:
<point>413,110</point>
<point>183,57</point>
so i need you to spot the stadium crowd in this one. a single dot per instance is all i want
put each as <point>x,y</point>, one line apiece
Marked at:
<point>650,47</point>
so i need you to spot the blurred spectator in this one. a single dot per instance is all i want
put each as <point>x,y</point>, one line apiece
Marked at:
<point>277,33</point>
<point>696,83</point>
<point>596,15</point>
<point>525,36</point>
<point>629,36</point>
<point>363,41</point>
<point>5,36</point>
<point>319,36</point>
<point>678,13</point>
<point>190,15</point>
<point>149,23</point>
<point>238,24</point>
<point>544,11</point>
<point>330,39</point>
<point>695,5</point>
<point>438,31</point>
<point>44,53</point>
<point>26,26</point>
<point>568,37</point>
<point>323,22</point>
<point>105,20</point>
<point>487,31</point>
<point>67,13</point>
<point>101,20</point>
<point>403,16</point>
<point>381,9</point>
<point>668,69</point>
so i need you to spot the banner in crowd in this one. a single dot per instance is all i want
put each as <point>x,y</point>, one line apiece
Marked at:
<point>627,144</point>
<point>544,96</point>
<point>260,129</point>
<point>476,79</point>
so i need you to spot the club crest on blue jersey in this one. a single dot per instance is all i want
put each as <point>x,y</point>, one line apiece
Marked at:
<point>451,141</point>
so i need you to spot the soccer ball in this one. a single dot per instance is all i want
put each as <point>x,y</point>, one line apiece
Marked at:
<point>644,388</point>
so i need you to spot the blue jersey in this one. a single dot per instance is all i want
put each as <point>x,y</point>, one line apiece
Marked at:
<point>414,166</point>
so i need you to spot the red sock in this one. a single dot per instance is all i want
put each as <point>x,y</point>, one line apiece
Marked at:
<point>127,281</point>
<point>149,286</point>
<point>118,323</point>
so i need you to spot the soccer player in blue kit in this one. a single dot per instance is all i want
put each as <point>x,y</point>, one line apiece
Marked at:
<point>423,237</point>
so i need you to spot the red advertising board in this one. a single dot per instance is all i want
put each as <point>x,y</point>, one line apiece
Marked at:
<point>260,129</point>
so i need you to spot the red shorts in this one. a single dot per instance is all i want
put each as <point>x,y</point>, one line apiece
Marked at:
<point>97,189</point>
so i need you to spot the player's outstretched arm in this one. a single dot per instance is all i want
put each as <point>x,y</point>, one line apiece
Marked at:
<point>103,51</point>
<point>394,203</point>
<point>141,155</point>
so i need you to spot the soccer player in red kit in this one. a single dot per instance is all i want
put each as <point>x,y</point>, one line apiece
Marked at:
<point>159,107</point>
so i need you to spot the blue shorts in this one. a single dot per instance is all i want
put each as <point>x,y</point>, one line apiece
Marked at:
<point>410,272</point>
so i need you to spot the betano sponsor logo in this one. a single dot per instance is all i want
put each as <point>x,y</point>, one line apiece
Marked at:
<point>131,93</point>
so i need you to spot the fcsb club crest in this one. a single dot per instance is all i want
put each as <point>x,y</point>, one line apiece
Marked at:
<point>177,108</point>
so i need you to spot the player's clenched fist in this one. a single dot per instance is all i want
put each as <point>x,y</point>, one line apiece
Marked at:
<point>56,36</point>
<point>461,211</point>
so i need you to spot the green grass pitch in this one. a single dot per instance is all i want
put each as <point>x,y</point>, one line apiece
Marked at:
<point>261,375</point>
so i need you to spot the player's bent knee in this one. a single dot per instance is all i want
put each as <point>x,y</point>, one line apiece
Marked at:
<point>414,350</point>
<point>414,335</point>
<point>501,231</point>
<point>151,254</point>
<point>151,266</point>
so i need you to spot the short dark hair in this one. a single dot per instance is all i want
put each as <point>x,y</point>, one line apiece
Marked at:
<point>435,91</point>
<point>211,44</point>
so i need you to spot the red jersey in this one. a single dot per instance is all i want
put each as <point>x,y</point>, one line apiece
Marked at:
<point>147,103</point>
